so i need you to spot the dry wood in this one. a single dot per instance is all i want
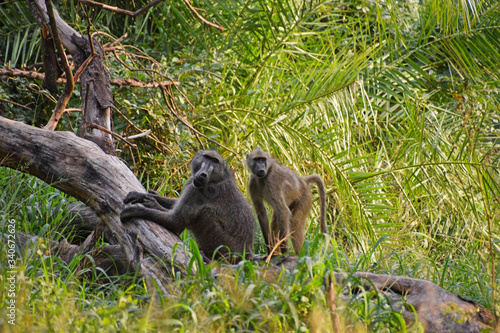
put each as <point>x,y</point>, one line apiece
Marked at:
<point>82,170</point>
<point>70,83</point>
<point>110,259</point>
<point>13,72</point>
<point>88,56</point>
<point>119,10</point>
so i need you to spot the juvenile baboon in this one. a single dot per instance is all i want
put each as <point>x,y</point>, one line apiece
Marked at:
<point>288,194</point>
<point>210,206</point>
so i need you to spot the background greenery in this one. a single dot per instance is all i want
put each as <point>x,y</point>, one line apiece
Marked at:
<point>394,103</point>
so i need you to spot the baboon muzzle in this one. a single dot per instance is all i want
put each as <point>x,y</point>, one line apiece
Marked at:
<point>202,177</point>
<point>260,172</point>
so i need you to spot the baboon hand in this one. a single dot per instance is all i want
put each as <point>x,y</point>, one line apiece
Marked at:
<point>149,201</point>
<point>132,211</point>
<point>154,192</point>
<point>134,197</point>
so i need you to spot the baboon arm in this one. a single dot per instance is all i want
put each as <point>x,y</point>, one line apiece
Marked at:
<point>168,219</point>
<point>260,209</point>
<point>165,202</point>
<point>150,200</point>
<point>134,197</point>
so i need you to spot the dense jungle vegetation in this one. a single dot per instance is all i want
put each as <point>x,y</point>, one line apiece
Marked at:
<point>394,103</point>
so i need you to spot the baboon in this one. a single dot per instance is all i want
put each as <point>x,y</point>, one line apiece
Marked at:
<point>288,194</point>
<point>210,206</point>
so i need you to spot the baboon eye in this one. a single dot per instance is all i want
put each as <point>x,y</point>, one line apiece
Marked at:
<point>211,159</point>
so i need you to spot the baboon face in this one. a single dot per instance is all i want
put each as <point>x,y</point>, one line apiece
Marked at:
<point>207,166</point>
<point>257,162</point>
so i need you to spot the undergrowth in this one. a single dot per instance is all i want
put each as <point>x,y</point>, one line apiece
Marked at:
<point>54,296</point>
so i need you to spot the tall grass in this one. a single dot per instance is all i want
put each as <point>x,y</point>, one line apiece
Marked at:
<point>51,295</point>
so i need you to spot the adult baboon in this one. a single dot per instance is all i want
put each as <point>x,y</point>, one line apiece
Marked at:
<point>210,206</point>
<point>288,194</point>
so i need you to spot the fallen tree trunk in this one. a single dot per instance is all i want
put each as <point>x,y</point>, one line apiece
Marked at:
<point>82,170</point>
<point>80,222</point>
<point>436,309</point>
<point>110,259</point>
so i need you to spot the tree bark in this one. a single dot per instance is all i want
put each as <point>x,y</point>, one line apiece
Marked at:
<point>88,56</point>
<point>80,222</point>
<point>109,258</point>
<point>82,170</point>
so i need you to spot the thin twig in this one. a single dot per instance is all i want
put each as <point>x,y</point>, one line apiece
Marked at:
<point>119,10</point>
<point>118,136</point>
<point>11,102</point>
<point>83,67</point>
<point>116,41</point>
<point>201,18</point>
<point>268,259</point>
<point>143,9</point>
<point>194,130</point>
<point>91,57</point>
<point>151,136</point>
<point>199,70</point>
<point>140,135</point>
<point>68,111</point>
<point>171,105</point>
<point>13,72</point>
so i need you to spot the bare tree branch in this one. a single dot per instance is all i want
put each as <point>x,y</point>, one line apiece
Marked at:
<point>213,25</point>
<point>118,136</point>
<point>143,9</point>
<point>13,72</point>
<point>70,83</point>
<point>119,10</point>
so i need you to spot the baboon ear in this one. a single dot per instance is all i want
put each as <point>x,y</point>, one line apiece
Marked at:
<point>247,156</point>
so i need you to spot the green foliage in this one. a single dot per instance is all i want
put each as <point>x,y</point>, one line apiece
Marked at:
<point>35,206</point>
<point>394,103</point>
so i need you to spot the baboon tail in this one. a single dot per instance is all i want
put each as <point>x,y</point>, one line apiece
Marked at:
<point>322,196</point>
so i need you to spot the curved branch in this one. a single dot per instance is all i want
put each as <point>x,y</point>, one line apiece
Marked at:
<point>201,18</point>
<point>13,72</point>
<point>70,82</point>
<point>82,170</point>
<point>119,10</point>
<point>143,9</point>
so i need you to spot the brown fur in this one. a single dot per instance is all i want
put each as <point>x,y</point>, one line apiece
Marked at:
<point>210,206</point>
<point>288,194</point>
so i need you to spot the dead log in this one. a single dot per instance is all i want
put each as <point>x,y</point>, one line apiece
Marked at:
<point>82,170</point>
<point>111,259</point>
<point>80,222</point>
<point>437,309</point>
